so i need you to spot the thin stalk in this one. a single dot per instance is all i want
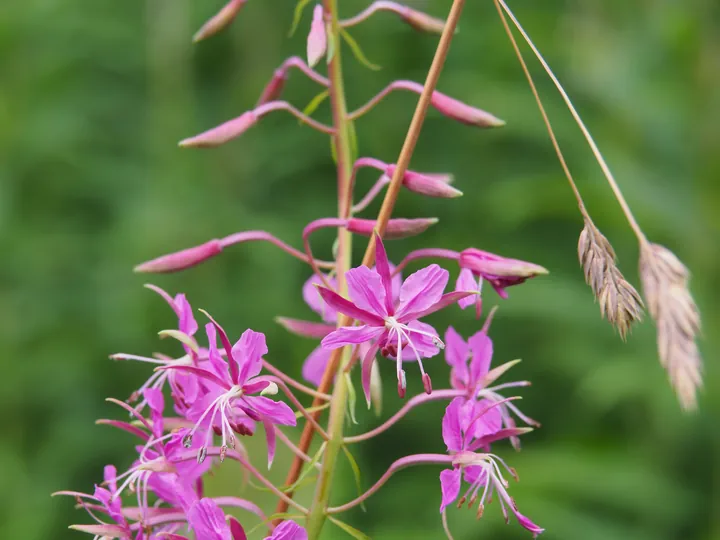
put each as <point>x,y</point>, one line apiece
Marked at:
<point>586,133</point>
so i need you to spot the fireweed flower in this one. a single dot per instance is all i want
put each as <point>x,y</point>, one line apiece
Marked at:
<point>207,520</point>
<point>231,384</point>
<point>499,271</point>
<point>393,325</point>
<point>288,530</point>
<point>482,471</point>
<point>180,383</point>
<point>470,371</point>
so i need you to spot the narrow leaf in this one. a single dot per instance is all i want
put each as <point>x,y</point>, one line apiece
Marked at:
<point>352,531</point>
<point>315,103</point>
<point>299,7</point>
<point>352,399</point>
<point>356,473</point>
<point>357,51</point>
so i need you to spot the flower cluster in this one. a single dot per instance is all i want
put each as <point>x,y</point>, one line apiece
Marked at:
<point>195,410</point>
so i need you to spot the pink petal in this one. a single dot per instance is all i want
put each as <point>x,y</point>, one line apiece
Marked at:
<point>238,533</point>
<point>482,350</point>
<point>382,266</point>
<point>366,290</point>
<point>207,521</point>
<point>270,438</point>
<point>424,344</point>
<point>421,290</point>
<point>217,364</point>
<point>445,301</point>
<point>288,530</point>
<point>466,282</point>
<point>305,328</point>
<point>277,411</point>
<point>187,322</point>
<point>525,522</point>
<point>451,425</point>
<point>456,355</point>
<point>315,364</point>
<point>351,335</point>
<point>232,363</point>
<point>313,299</point>
<point>450,486</point>
<point>248,352</point>
<point>348,308</point>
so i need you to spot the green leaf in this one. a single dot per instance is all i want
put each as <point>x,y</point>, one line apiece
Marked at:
<point>308,468</point>
<point>352,398</point>
<point>356,472</point>
<point>299,7</point>
<point>352,531</point>
<point>316,408</point>
<point>357,51</point>
<point>315,103</point>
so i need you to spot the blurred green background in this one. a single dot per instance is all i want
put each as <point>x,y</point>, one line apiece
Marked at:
<point>94,95</point>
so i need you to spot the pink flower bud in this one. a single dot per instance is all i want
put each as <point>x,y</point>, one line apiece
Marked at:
<point>182,259</point>
<point>457,110</point>
<point>222,19</point>
<point>396,228</point>
<point>317,38</point>
<point>222,133</point>
<point>274,88</point>
<point>432,185</point>
<point>422,21</point>
<point>498,271</point>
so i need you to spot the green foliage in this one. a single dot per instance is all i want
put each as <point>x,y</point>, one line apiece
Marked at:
<point>96,94</point>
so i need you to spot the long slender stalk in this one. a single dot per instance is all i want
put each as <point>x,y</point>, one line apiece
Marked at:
<point>340,121</point>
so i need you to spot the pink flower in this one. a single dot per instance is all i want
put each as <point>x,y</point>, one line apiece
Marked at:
<point>393,325</point>
<point>499,271</point>
<point>317,38</point>
<point>288,530</point>
<point>230,385</point>
<point>207,520</point>
<point>479,470</point>
<point>470,371</point>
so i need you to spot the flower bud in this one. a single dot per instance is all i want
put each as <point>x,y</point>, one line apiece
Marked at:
<point>457,110</point>
<point>222,133</point>
<point>219,21</point>
<point>432,185</point>
<point>422,21</point>
<point>274,88</point>
<point>396,228</point>
<point>498,271</point>
<point>317,38</point>
<point>182,259</point>
<point>427,383</point>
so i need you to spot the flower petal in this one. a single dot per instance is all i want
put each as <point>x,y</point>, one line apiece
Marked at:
<point>306,328</point>
<point>451,425</point>
<point>288,530</point>
<point>482,350</point>
<point>277,411</point>
<point>445,301</point>
<point>348,308</point>
<point>525,522</point>
<point>351,335</point>
<point>366,374</point>
<point>248,353</point>
<point>187,322</point>
<point>228,348</point>
<point>421,290</point>
<point>367,291</point>
<point>315,364</point>
<point>456,355</point>
<point>466,282</point>
<point>424,344</point>
<point>382,266</point>
<point>313,299</point>
<point>270,438</point>
<point>450,486</point>
<point>207,521</point>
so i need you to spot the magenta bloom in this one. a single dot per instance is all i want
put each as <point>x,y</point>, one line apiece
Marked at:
<point>207,520</point>
<point>499,271</point>
<point>230,388</point>
<point>470,371</point>
<point>394,325</point>
<point>480,470</point>
<point>288,530</point>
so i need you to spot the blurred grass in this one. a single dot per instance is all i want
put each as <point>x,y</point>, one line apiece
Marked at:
<point>94,96</point>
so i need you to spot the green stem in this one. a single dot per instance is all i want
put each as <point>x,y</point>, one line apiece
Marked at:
<point>343,152</point>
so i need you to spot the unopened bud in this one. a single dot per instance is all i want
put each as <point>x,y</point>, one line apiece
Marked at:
<point>422,21</point>
<point>432,185</point>
<point>222,133</point>
<point>317,38</point>
<point>427,383</point>
<point>396,228</point>
<point>500,272</point>
<point>219,21</point>
<point>457,110</point>
<point>274,88</point>
<point>181,259</point>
